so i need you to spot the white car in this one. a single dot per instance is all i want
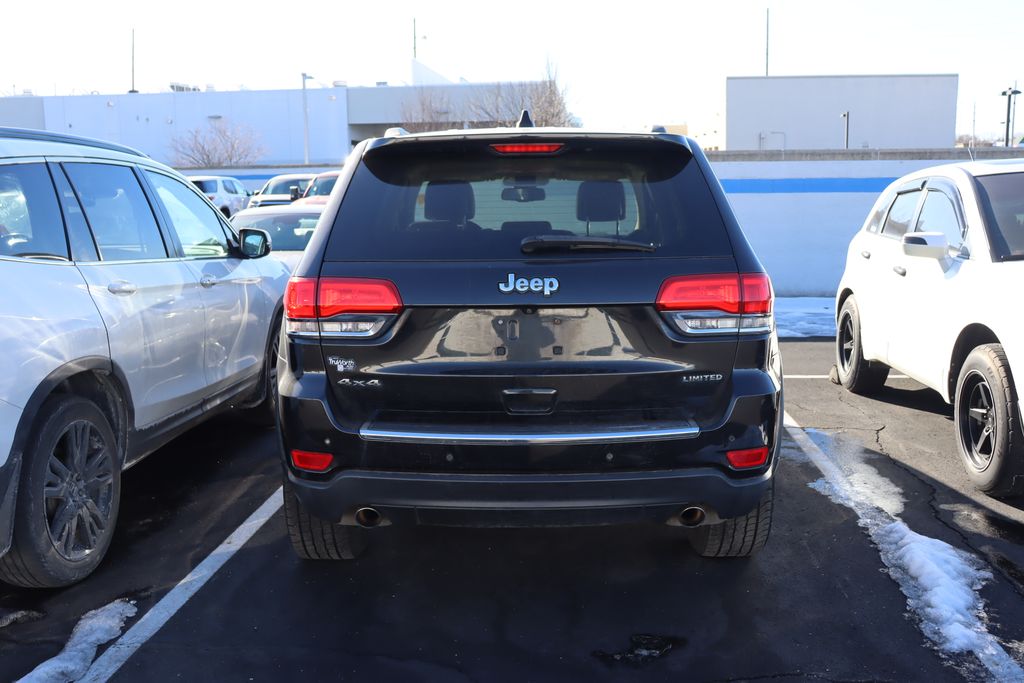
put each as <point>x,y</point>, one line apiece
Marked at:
<point>290,228</point>
<point>227,194</point>
<point>281,189</point>
<point>928,291</point>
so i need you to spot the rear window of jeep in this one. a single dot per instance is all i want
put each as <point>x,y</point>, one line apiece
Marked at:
<point>427,202</point>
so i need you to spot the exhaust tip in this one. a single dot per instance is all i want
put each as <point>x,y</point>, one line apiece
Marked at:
<point>368,518</point>
<point>692,516</point>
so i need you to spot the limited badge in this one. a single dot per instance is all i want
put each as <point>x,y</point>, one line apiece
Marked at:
<point>695,379</point>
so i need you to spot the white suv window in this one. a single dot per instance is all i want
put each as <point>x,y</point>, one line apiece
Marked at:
<point>118,212</point>
<point>197,225</point>
<point>897,223</point>
<point>939,215</point>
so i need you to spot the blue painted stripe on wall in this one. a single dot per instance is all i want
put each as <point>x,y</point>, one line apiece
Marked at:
<point>804,185</point>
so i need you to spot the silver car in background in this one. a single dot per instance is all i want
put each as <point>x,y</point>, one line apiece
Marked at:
<point>132,311</point>
<point>290,228</point>
<point>281,189</point>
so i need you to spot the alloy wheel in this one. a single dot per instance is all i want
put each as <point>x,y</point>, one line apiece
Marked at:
<point>977,418</point>
<point>846,341</point>
<point>79,490</point>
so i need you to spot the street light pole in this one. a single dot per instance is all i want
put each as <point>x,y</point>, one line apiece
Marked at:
<point>305,120</point>
<point>1009,94</point>
<point>846,129</point>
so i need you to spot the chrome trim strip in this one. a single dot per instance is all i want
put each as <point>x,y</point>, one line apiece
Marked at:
<point>526,438</point>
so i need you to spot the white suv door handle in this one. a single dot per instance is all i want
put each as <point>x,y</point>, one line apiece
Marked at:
<point>866,253</point>
<point>900,270</point>
<point>207,281</point>
<point>122,287</point>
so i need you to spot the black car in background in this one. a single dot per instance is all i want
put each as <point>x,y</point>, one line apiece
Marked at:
<point>529,327</point>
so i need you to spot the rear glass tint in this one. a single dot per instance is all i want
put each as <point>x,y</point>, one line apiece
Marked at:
<point>466,203</point>
<point>207,186</point>
<point>1002,201</point>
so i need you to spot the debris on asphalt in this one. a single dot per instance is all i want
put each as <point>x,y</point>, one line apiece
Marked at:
<point>645,648</point>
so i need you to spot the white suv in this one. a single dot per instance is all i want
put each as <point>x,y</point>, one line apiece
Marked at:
<point>132,311</point>
<point>227,194</point>
<point>926,290</point>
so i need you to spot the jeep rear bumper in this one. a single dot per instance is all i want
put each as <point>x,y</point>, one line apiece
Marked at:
<point>509,500</point>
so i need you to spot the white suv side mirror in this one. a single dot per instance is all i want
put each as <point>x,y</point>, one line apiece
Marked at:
<point>926,244</point>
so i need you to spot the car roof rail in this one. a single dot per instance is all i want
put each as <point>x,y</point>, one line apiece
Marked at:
<point>396,131</point>
<point>47,136</point>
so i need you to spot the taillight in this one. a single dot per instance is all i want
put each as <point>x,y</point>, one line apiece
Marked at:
<point>696,303</point>
<point>340,307</point>
<point>528,148</point>
<point>748,457</point>
<point>311,460</point>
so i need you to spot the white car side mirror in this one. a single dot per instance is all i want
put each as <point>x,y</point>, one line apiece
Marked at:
<point>926,244</point>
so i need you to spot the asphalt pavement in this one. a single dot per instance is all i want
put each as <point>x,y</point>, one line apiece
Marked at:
<point>614,603</point>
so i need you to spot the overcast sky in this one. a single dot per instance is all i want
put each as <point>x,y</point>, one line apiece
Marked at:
<point>625,64</point>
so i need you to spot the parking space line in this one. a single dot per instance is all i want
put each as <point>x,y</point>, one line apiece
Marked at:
<point>152,621</point>
<point>826,377</point>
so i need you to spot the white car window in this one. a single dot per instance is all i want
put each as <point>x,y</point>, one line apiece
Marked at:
<point>939,215</point>
<point>902,212</point>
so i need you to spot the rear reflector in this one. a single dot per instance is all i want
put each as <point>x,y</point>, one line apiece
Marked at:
<point>311,460</point>
<point>528,148</point>
<point>749,457</point>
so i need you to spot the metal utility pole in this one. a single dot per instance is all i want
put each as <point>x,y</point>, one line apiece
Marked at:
<point>133,90</point>
<point>846,129</point>
<point>305,120</point>
<point>767,14</point>
<point>1009,94</point>
<point>414,37</point>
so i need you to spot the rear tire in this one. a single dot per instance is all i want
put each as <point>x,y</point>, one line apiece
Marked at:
<point>318,539</point>
<point>988,423</point>
<point>859,376</point>
<point>264,414</point>
<point>739,536</point>
<point>68,496</point>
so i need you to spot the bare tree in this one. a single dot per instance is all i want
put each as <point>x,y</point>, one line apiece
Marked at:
<point>219,144</point>
<point>502,103</point>
<point>967,140</point>
<point>430,109</point>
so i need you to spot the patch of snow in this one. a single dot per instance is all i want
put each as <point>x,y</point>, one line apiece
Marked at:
<point>805,317</point>
<point>940,582</point>
<point>92,630</point>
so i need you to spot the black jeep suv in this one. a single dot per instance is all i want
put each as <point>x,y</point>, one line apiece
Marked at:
<point>528,327</point>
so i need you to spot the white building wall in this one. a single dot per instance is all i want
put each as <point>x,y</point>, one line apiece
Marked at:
<point>805,112</point>
<point>799,216</point>
<point>150,121</point>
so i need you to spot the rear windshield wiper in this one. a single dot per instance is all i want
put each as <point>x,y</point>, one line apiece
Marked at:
<point>536,243</point>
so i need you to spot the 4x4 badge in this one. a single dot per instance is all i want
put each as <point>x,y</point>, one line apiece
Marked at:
<point>346,382</point>
<point>548,285</point>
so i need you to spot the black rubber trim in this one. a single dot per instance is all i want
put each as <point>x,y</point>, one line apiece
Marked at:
<point>529,499</point>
